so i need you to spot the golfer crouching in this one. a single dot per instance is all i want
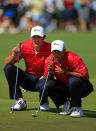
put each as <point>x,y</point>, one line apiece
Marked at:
<point>68,81</point>
<point>33,52</point>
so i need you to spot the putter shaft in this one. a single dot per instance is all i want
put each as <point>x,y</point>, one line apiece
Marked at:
<point>35,115</point>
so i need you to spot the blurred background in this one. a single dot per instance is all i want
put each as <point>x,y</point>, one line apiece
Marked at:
<point>68,15</point>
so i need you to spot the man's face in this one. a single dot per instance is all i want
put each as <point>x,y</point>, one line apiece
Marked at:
<point>37,41</point>
<point>58,55</point>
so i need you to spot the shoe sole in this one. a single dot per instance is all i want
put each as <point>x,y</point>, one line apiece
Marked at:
<point>64,114</point>
<point>43,110</point>
<point>12,109</point>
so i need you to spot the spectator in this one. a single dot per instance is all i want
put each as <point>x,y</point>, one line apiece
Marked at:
<point>70,15</point>
<point>1,22</point>
<point>93,14</point>
<point>10,15</point>
<point>36,12</point>
<point>59,14</point>
<point>84,15</point>
<point>49,11</point>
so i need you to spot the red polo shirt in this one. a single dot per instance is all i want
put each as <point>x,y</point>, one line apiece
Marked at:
<point>70,61</point>
<point>34,61</point>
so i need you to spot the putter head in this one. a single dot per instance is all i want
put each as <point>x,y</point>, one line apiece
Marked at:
<point>34,115</point>
<point>12,110</point>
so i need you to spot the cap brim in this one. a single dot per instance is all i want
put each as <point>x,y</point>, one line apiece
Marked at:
<point>56,48</point>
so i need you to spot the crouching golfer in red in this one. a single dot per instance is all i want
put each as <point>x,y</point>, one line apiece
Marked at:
<point>68,81</point>
<point>34,53</point>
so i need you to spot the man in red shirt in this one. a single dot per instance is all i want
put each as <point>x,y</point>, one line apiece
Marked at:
<point>68,80</point>
<point>34,53</point>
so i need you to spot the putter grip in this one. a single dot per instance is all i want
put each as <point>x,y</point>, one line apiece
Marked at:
<point>20,46</point>
<point>19,52</point>
<point>50,71</point>
<point>52,58</point>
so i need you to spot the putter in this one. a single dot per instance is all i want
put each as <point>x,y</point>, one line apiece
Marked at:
<point>12,110</point>
<point>35,114</point>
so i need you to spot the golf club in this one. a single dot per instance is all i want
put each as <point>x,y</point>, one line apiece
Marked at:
<point>35,114</point>
<point>12,110</point>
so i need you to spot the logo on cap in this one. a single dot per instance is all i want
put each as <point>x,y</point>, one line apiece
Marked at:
<point>55,44</point>
<point>36,30</point>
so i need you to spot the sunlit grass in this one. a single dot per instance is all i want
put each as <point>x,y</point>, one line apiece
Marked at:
<point>82,43</point>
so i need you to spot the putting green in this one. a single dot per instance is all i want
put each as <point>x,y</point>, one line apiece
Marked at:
<point>82,43</point>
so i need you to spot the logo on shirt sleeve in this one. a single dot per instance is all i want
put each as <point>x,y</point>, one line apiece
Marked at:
<point>83,68</point>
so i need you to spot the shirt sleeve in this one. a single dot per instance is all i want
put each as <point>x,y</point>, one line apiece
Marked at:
<point>79,66</point>
<point>45,67</point>
<point>48,59</point>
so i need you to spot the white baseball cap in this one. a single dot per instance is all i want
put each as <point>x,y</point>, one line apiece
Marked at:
<point>57,45</point>
<point>37,30</point>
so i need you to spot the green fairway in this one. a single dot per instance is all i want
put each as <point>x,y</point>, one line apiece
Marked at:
<point>82,43</point>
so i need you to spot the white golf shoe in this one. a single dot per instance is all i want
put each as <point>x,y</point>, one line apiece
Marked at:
<point>76,112</point>
<point>65,110</point>
<point>44,107</point>
<point>20,105</point>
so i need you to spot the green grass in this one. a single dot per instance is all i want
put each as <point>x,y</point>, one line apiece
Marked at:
<point>82,43</point>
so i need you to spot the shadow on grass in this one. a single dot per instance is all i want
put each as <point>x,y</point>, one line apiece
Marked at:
<point>54,110</point>
<point>89,113</point>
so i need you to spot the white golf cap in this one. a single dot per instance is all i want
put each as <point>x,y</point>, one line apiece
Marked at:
<point>37,30</point>
<point>57,45</point>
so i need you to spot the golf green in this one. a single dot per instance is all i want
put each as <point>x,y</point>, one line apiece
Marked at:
<point>82,43</point>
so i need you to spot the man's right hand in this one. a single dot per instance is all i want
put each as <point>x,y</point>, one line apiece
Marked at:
<point>15,51</point>
<point>42,77</point>
<point>51,66</point>
<point>10,58</point>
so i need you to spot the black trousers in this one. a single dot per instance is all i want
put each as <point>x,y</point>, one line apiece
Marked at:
<point>25,80</point>
<point>75,89</point>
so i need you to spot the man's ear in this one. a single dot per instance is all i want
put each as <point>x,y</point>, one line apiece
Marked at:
<point>44,37</point>
<point>64,50</point>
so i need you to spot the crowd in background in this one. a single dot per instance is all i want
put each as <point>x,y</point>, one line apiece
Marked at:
<point>69,15</point>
